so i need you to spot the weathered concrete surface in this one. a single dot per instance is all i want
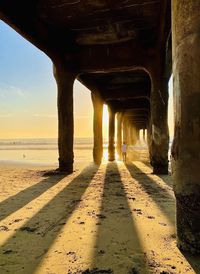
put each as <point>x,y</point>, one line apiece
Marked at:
<point>119,133</point>
<point>186,145</point>
<point>111,135</point>
<point>159,138</point>
<point>65,81</point>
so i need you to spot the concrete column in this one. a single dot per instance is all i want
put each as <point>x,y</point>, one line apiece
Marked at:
<point>186,145</point>
<point>131,133</point>
<point>125,130</point>
<point>97,128</point>
<point>137,132</point>
<point>119,133</point>
<point>65,80</point>
<point>159,137</point>
<point>144,135</point>
<point>111,145</point>
<point>128,134</point>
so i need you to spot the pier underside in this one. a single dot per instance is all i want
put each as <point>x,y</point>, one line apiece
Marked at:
<point>123,52</point>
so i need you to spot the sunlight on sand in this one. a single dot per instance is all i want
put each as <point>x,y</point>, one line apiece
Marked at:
<point>78,235</point>
<point>28,208</point>
<point>159,181</point>
<point>114,217</point>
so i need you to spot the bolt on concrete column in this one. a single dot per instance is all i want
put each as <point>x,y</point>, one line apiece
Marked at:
<point>65,80</point>
<point>97,128</point>
<point>119,133</point>
<point>186,144</point>
<point>159,134</point>
<point>111,145</point>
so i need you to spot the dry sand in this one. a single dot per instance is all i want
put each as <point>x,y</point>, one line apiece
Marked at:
<point>114,218</point>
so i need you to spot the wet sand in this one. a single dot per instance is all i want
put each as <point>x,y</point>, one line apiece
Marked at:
<point>114,218</point>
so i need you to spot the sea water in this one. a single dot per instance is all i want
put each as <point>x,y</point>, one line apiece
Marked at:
<point>44,151</point>
<point>41,151</point>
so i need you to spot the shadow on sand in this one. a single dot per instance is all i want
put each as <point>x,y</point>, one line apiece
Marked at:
<point>25,196</point>
<point>24,251</point>
<point>167,179</point>
<point>118,246</point>
<point>160,196</point>
<point>193,260</point>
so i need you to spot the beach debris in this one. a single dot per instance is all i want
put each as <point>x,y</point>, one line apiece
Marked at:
<point>138,211</point>
<point>150,217</point>
<point>7,251</point>
<point>101,216</point>
<point>3,228</point>
<point>131,198</point>
<point>72,257</point>
<point>101,251</point>
<point>163,224</point>
<point>17,220</point>
<point>97,271</point>
<point>28,229</point>
<point>81,223</point>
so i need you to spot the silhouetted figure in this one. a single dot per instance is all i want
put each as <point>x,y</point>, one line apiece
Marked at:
<point>124,149</point>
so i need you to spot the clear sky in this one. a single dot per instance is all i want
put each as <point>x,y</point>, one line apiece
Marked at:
<point>28,92</point>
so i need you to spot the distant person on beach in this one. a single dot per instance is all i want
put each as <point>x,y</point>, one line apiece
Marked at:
<point>124,149</point>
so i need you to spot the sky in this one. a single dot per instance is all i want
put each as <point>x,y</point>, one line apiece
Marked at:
<point>28,93</point>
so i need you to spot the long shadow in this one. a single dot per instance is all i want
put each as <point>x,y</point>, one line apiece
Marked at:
<point>193,260</point>
<point>167,179</point>
<point>118,248</point>
<point>24,251</point>
<point>160,196</point>
<point>25,196</point>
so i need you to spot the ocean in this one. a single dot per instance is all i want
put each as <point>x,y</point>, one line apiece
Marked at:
<point>44,151</point>
<point>41,151</point>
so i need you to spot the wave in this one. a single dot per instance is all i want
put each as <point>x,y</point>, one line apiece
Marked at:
<point>43,144</point>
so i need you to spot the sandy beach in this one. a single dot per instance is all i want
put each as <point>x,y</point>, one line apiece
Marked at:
<point>113,218</point>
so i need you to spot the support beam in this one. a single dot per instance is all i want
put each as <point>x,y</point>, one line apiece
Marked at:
<point>144,135</point>
<point>186,145</point>
<point>133,135</point>
<point>65,81</point>
<point>97,128</point>
<point>133,92</point>
<point>138,135</point>
<point>125,129</point>
<point>119,133</point>
<point>111,145</point>
<point>116,57</point>
<point>159,142</point>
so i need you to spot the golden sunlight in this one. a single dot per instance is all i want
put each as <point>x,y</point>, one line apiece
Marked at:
<point>105,122</point>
